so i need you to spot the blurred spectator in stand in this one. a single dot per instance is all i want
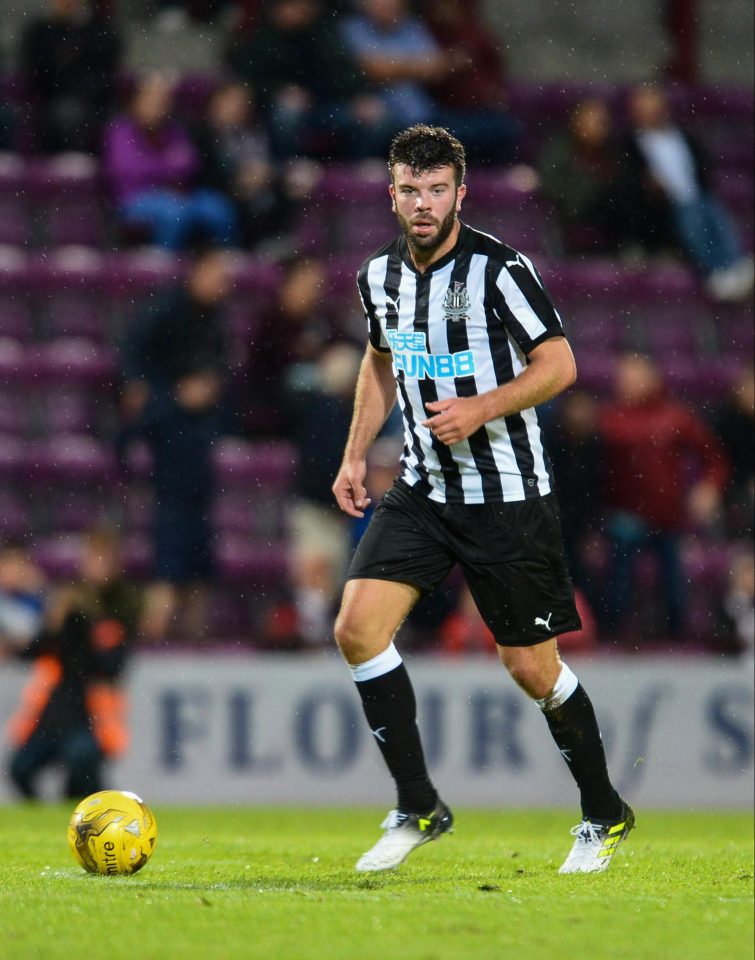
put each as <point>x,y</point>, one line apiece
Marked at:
<point>176,15</point>
<point>673,167</point>
<point>320,409</point>
<point>289,340</point>
<point>316,99</point>
<point>69,59</point>
<point>73,711</point>
<point>738,607</point>
<point>235,151</point>
<point>598,207</point>
<point>400,57</point>
<point>175,371</point>
<point>248,15</point>
<point>248,19</point>
<point>576,448</point>
<point>22,597</point>
<point>472,95</point>
<point>403,61</point>
<point>151,166</point>
<point>665,473</point>
<point>735,425</point>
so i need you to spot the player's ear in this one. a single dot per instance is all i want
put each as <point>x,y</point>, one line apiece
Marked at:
<point>392,191</point>
<point>460,194</point>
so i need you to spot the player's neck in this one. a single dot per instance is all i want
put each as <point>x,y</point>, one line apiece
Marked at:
<point>424,259</point>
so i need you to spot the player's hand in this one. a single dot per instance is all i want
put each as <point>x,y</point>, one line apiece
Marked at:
<point>349,489</point>
<point>454,419</point>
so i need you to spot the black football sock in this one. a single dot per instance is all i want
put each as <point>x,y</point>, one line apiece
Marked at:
<point>574,726</point>
<point>391,711</point>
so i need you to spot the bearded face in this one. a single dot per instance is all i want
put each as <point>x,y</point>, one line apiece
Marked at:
<point>427,206</point>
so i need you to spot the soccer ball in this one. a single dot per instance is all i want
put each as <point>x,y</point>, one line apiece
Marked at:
<point>112,832</point>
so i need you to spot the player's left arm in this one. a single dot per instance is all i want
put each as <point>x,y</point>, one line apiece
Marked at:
<point>551,369</point>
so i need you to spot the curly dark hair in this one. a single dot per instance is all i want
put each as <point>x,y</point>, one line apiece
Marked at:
<point>424,148</point>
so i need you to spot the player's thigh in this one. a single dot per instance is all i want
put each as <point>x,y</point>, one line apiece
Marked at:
<point>371,613</point>
<point>518,576</point>
<point>401,556</point>
<point>405,542</point>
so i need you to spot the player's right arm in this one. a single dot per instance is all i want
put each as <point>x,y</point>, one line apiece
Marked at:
<point>373,402</point>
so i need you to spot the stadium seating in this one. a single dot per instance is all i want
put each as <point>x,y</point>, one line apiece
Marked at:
<point>67,295</point>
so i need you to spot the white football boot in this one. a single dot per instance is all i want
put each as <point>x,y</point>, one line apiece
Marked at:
<point>405,832</point>
<point>597,842</point>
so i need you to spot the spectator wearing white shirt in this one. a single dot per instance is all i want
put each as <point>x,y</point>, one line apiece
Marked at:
<point>674,165</point>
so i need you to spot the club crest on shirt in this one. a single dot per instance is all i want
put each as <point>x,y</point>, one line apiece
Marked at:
<point>457,303</point>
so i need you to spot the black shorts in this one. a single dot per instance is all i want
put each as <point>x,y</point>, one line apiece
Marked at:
<point>511,554</point>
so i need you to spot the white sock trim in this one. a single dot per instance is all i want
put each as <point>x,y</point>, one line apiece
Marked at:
<point>565,686</point>
<point>383,663</point>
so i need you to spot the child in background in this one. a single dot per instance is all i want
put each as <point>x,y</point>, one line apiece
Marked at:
<point>22,598</point>
<point>72,711</point>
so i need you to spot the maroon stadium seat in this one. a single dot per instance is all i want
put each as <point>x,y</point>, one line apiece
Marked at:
<point>74,360</point>
<point>234,512</point>
<point>253,564</point>
<point>71,459</point>
<point>14,361</point>
<point>69,410</point>
<point>67,197</point>
<point>74,282</point>
<point>254,465</point>
<point>16,280</point>
<point>14,457</point>
<point>15,409</point>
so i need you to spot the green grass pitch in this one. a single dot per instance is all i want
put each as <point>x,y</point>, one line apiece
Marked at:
<point>237,883</point>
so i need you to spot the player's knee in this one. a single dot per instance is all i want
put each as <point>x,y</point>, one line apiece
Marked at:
<point>346,634</point>
<point>534,677</point>
<point>352,637</point>
<point>530,681</point>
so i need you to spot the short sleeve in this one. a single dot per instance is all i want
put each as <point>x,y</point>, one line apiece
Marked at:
<point>524,305</point>
<point>374,330</point>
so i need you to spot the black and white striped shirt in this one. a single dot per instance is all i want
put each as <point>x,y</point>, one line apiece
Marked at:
<point>462,328</point>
